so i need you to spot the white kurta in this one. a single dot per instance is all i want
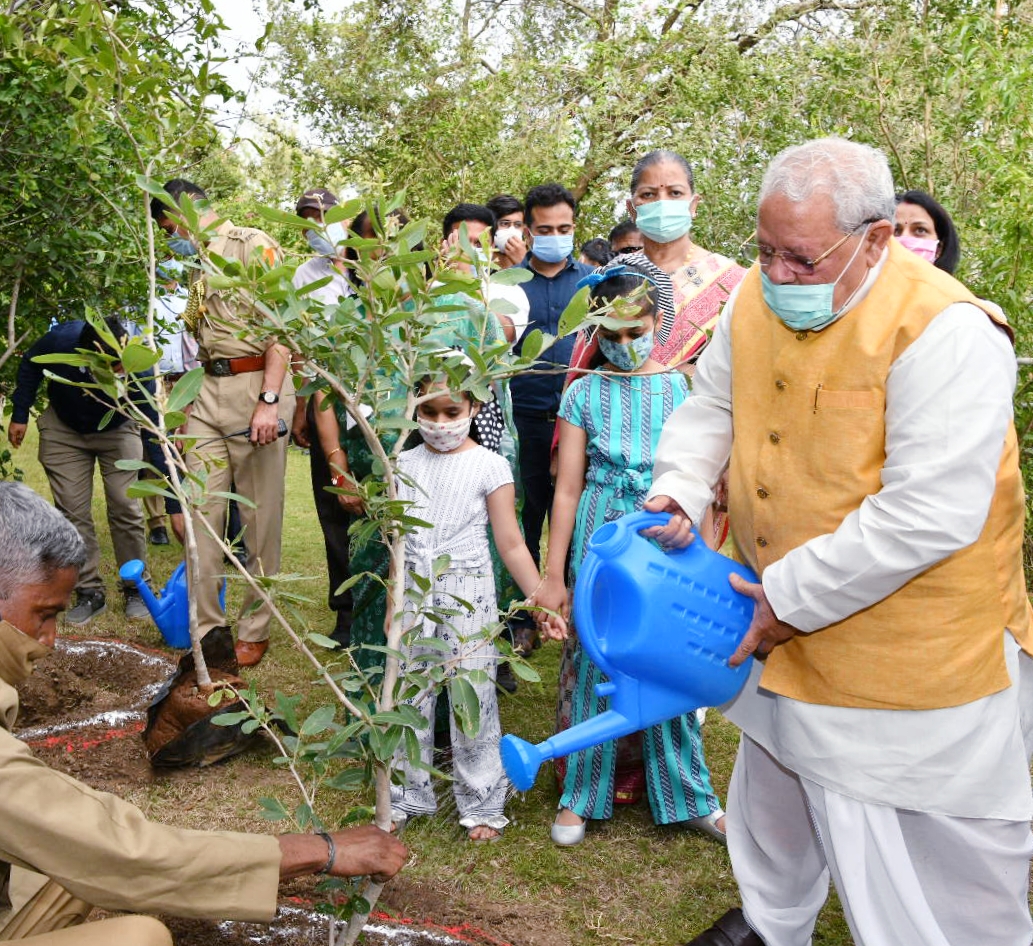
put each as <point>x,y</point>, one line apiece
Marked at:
<point>948,404</point>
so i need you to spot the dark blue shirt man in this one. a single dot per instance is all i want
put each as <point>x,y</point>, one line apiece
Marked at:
<point>549,212</point>
<point>73,439</point>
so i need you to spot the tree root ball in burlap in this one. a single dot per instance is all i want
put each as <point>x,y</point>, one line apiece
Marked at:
<point>179,730</point>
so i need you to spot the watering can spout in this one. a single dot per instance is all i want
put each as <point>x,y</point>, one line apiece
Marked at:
<point>522,760</point>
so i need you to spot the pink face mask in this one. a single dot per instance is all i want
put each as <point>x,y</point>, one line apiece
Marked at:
<point>924,248</point>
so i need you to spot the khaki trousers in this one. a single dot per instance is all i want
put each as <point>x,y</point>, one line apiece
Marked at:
<point>224,406</point>
<point>69,458</point>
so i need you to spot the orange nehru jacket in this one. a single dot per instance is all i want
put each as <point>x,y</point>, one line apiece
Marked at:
<point>809,446</point>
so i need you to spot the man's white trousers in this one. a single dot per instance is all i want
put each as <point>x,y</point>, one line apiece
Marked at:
<point>905,878</point>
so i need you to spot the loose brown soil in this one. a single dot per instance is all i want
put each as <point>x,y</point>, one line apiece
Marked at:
<point>83,712</point>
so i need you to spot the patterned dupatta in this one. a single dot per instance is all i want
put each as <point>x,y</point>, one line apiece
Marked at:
<point>700,290</point>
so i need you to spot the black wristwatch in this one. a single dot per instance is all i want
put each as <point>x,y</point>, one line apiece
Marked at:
<point>269,397</point>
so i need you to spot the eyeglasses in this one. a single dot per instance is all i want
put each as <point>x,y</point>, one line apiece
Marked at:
<point>794,263</point>
<point>628,249</point>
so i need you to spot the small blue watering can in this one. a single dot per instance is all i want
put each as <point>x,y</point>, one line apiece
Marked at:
<point>171,609</point>
<point>661,626</point>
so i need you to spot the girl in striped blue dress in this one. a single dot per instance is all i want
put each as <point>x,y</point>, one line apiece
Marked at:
<point>610,423</point>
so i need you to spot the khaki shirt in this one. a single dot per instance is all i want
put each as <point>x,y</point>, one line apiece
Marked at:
<point>223,331</point>
<point>104,851</point>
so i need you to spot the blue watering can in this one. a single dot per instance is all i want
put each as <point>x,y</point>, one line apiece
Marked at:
<point>661,626</point>
<point>171,609</point>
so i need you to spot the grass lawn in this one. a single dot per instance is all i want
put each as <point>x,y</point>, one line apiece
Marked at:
<point>629,883</point>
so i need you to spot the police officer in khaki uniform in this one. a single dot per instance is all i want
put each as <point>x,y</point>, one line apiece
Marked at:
<point>96,848</point>
<point>246,384</point>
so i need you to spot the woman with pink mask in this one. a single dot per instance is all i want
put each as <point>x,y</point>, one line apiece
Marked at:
<point>925,228</point>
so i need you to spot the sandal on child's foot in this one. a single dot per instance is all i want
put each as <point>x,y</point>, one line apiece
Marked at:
<point>567,835</point>
<point>708,824</point>
<point>484,834</point>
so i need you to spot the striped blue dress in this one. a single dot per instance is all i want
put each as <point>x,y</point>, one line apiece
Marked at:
<point>622,417</point>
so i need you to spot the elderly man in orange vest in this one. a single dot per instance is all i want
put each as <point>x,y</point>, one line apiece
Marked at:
<point>863,400</point>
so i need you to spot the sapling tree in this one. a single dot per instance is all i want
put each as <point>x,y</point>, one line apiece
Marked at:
<point>412,316</point>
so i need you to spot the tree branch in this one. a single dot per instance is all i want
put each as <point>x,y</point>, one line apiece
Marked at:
<point>787,14</point>
<point>583,11</point>
<point>675,15</point>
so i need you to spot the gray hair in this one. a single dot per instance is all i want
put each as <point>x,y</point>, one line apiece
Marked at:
<point>659,157</point>
<point>35,539</point>
<point>857,177</point>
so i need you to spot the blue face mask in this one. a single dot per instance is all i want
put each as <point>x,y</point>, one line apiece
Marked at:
<point>553,249</point>
<point>664,221</point>
<point>181,246</point>
<point>806,308</point>
<point>320,244</point>
<point>627,356</point>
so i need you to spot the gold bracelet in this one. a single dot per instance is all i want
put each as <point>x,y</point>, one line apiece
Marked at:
<point>332,452</point>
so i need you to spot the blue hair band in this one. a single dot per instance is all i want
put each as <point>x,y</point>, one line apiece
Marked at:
<point>612,272</point>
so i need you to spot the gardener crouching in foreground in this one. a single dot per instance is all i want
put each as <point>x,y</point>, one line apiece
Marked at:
<point>94,847</point>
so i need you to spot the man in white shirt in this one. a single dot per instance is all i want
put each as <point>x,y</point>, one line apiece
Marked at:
<point>864,403</point>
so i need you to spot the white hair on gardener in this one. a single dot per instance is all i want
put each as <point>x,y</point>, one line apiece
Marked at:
<point>35,538</point>
<point>857,177</point>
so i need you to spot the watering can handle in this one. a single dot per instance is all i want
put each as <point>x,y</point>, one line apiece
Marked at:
<point>637,521</point>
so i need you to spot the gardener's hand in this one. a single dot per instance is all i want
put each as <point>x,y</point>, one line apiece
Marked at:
<point>366,850</point>
<point>362,851</point>
<point>16,434</point>
<point>677,534</point>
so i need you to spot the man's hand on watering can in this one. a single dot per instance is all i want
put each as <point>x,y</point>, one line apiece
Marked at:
<point>677,534</point>
<point>766,631</point>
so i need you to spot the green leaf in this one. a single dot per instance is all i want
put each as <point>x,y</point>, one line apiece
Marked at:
<point>283,217</point>
<point>142,488</point>
<point>345,585</point>
<point>185,389</point>
<point>74,361</point>
<point>135,465</point>
<point>512,276</point>
<point>228,719</point>
<point>272,809</point>
<point>323,641</point>
<point>465,705</point>
<point>525,671</point>
<point>347,780</point>
<point>319,721</point>
<point>575,313</point>
<point>174,420</point>
<point>532,344</point>
<point>138,357</point>
<point>400,717</point>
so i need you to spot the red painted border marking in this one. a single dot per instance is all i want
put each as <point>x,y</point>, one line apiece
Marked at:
<point>87,742</point>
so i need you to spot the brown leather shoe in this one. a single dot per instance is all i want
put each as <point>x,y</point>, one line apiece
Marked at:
<point>250,653</point>
<point>731,930</point>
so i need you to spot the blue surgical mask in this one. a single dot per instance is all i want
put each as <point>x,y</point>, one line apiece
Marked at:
<point>181,246</point>
<point>320,244</point>
<point>806,308</point>
<point>627,356</point>
<point>664,221</point>
<point>553,249</point>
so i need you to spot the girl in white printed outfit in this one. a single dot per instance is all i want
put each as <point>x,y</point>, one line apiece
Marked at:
<point>460,487</point>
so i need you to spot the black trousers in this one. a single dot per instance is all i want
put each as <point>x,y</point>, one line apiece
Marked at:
<point>334,522</point>
<point>535,432</point>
